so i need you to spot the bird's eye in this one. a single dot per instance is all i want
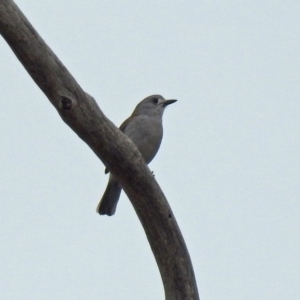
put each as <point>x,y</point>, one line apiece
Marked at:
<point>155,100</point>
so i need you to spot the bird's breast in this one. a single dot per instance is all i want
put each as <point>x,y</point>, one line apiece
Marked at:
<point>146,133</point>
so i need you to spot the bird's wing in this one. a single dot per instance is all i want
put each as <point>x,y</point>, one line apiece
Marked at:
<point>125,124</point>
<point>122,128</point>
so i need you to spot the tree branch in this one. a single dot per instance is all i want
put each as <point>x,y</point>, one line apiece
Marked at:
<point>81,112</point>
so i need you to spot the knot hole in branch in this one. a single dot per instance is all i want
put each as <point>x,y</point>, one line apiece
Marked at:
<point>66,103</point>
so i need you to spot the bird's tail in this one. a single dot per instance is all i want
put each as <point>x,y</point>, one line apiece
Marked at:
<point>109,201</point>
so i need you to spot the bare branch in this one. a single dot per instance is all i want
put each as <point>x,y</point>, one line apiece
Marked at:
<point>81,112</point>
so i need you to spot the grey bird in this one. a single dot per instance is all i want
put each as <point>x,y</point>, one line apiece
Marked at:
<point>144,128</point>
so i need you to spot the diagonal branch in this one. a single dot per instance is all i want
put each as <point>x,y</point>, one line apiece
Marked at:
<point>81,112</point>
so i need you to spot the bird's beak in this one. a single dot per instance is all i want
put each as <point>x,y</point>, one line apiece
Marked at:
<point>167,102</point>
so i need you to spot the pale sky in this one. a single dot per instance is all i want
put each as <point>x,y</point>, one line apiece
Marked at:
<point>229,162</point>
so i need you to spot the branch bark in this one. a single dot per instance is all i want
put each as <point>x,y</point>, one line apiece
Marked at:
<point>81,112</point>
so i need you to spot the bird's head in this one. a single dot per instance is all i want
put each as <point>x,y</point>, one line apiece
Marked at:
<point>152,105</point>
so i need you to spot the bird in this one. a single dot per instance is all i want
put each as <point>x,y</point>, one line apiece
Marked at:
<point>144,128</point>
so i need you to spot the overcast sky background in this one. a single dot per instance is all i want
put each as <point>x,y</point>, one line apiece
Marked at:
<point>229,163</point>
